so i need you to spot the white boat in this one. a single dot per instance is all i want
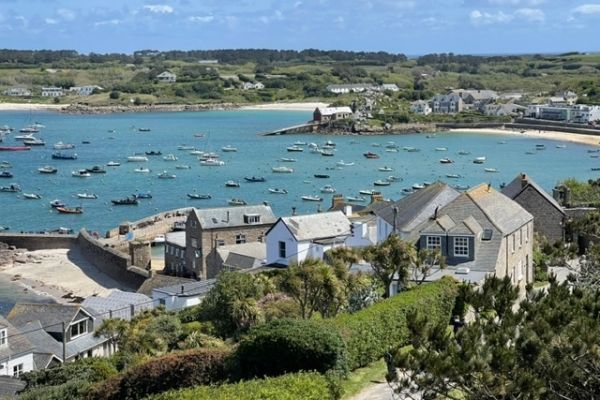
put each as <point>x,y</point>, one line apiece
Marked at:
<point>490,170</point>
<point>185,147</point>
<point>237,202</point>
<point>287,159</point>
<point>446,161</point>
<point>441,149</point>
<point>479,160</point>
<point>311,198</point>
<point>5,164</point>
<point>329,143</point>
<point>561,146</point>
<point>206,156</point>
<point>87,196</point>
<point>141,170</point>
<point>34,142</point>
<point>196,152</point>
<point>315,150</point>
<point>295,148</point>
<point>391,150</point>
<point>453,176</point>
<point>232,184</point>
<point>137,158</point>
<point>366,191</point>
<point>166,175</point>
<point>418,186</point>
<point>82,173</point>
<point>170,157</point>
<point>63,146</point>
<point>327,153</point>
<point>341,163</point>
<point>158,239</point>
<point>385,169</point>
<point>228,149</point>
<point>357,199</point>
<point>328,189</point>
<point>182,166</point>
<point>382,182</point>
<point>24,137</point>
<point>313,145</point>
<point>47,169</point>
<point>32,196</point>
<point>212,162</point>
<point>464,153</point>
<point>113,164</point>
<point>282,170</point>
<point>278,191</point>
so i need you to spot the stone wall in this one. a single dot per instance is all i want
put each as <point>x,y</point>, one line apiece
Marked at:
<point>38,241</point>
<point>547,219</point>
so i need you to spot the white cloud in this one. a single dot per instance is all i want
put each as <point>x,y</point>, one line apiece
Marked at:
<point>516,2</point>
<point>107,22</point>
<point>65,14</point>
<point>587,9</point>
<point>484,18</point>
<point>531,14</point>
<point>297,4</point>
<point>50,21</point>
<point>159,8</point>
<point>204,19</point>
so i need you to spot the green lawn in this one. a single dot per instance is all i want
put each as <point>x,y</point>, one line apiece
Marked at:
<point>363,377</point>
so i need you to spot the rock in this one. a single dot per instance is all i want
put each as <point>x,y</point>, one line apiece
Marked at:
<point>21,259</point>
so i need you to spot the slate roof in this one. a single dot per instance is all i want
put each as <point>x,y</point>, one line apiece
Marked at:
<point>49,315</point>
<point>335,110</point>
<point>177,238</point>
<point>119,303</point>
<point>10,386</point>
<point>417,207</point>
<point>228,217</point>
<point>243,256</point>
<point>318,226</point>
<point>161,280</point>
<point>476,94</point>
<point>521,182</point>
<point>46,347</point>
<point>18,344</point>
<point>195,288</point>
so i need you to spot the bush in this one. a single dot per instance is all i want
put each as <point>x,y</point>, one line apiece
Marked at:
<point>173,371</point>
<point>305,386</point>
<point>88,369</point>
<point>371,332</point>
<point>73,390</point>
<point>285,346</point>
<point>114,95</point>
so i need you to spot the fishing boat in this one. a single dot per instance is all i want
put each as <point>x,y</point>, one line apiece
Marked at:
<point>6,174</point>
<point>142,195</point>
<point>282,170</point>
<point>63,146</point>
<point>490,170</point>
<point>96,169</point>
<point>137,158</point>
<point>418,186</point>
<point>143,129</point>
<point>32,196</point>
<point>464,153</point>
<point>212,162</point>
<point>287,159</point>
<point>69,210</point>
<point>446,161</point>
<point>453,176</point>
<point>328,189</point>
<point>237,202</point>
<point>14,148</point>
<point>56,203</point>
<point>321,176</point>
<point>82,173</point>
<point>479,160</point>
<point>127,201</point>
<point>141,170</point>
<point>113,164</point>
<point>182,166</point>
<point>64,156</point>
<point>370,155</point>
<point>357,199</point>
<point>166,175</point>
<point>47,169</point>
<point>232,184</point>
<point>382,182</point>
<point>87,196</point>
<point>195,196</point>
<point>154,153</point>
<point>385,169</point>
<point>441,149</point>
<point>228,149</point>
<point>295,148</point>
<point>170,157</point>
<point>366,192</point>
<point>255,178</point>
<point>34,142</point>
<point>278,191</point>
<point>311,198</point>
<point>341,163</point>
<point>327,153</point>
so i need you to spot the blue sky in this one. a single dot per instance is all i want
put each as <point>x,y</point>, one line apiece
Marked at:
<point>405,26</point>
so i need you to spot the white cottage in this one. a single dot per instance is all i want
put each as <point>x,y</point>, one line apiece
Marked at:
<point>16,352</point>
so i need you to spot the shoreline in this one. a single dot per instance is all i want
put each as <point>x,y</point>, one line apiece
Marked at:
<point>31,107</point>
<point>580,138</point>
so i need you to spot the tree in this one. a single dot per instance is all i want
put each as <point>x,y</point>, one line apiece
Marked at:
<point>114,95</point>
<point>424,262</point>
<point>390,259</point>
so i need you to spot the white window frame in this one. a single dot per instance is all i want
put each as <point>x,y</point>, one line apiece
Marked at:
<point>464,247</point>
<point>219,242</point>
<point>3,337</point>
<point>282,249</point>
<point>81,322</point>
<point>17,370</point>
<point>240,238</point>
<point>429,242</point>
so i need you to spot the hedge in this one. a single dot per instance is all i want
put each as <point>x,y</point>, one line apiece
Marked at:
<point>284,346</point>
<point>373,331</point>
<point>75,389</point>
<point>173,371</point>
<point>90,369</point>
<point>302,386</point>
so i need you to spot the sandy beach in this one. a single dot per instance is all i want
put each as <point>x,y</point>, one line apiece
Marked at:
<point>534,133</point>
<point>32,107</point>
<point>309,106</point>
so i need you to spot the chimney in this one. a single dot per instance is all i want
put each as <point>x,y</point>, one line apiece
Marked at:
<point>348,210</point>
<point>375,197</point>
<point>337,199</point>
<point>227,216</point>
<point>293,211</point>
<point>182,289</point>
<point>523,180</point>
<point>435,212</point>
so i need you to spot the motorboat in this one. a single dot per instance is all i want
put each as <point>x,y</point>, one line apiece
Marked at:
<point>82,173</point>
<point>391,145</point>
<point>185,147</point>
<point>453,176</point>
<point>182,166</point>
<point>47,169</point>
<point>366,192</point>
<point>63,146</point>
<point>228,149</point>
<point>25,136</point>
<point>255,178</point>
<point>393,178</point>
<point>137,158</point>
<point>341,163</point>
<point>96,169</point>
<point>418,186</point>
<point>64,156</point>
<point>385,169</point>
<point>295,148</point>
<point>143,129</point>
<point>382,182</point>
<point>278,191</point>
<point>357,199</point>
<point>464,153</point>
<point>391,150</point>
<point>113,164</point>
<point>142,195</point>
<point>5,164</point>
<point>370,155</point>
<point>170,157</point>
<point>441,149</point>
<point>195,196</point>
<point>287,159</point>
<point>34,142</point>
<point>56,203</point>
<point>329,143</point>
<point>328,189</point>
<point>212,162</point>
<point>127,201</point>
<point>282,170</point>
<point>154,153</point>
<point>299,143</point>
<point>196,152</point>
<point>166,175</point>
<point>446,161</point>
<point>490,170</point>
<point>142,170</point>
<point>69,210</point>
<point>6,174</point>
<point>479,160</point>
<point>32,196</point>
<point>327,153</point>
<point>87,196</point>
<point>232,184</point>
<point>237,202</point>
<point>158,239</point>
<point>208,156</point>
<point>321,176</point>
<point>311,198</point>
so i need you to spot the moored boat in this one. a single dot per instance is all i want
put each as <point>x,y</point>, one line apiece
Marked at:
<point>490,170</point>
<point>6,174</point>
<point>182,166</point>
<point>295,148</point>
<point>287,159</point>
<point>441,149</point>
<point>385,169</point>
<point>126,201</point>
<point>237,202</point>
<point>154,153</point>
<point>418,186</point>
<point>382,182</point>
<point>63,146</point>
<point>232,184</point>
<point>278,191</point>
<point>96,169</point>
<point>170,157</point>
<point>64,156</point>
<point>32,196</point>
<point>370,155</point>
<point>366,192</point>
<point>464,153</point>
<point>69,210</point>
<point>255,178</point>
<point>142,195</point>
<point>196,196</point>
<point>56,203</point>
<point>328,189</point>
<point>143,129</point>
<point>228,149</point>
<point>14,148</point>
<point>479,160</point>
<point>446,161</point>
<point>453,176</point>
<point>282,170</point>
<point>321,176</point>
<point>356,199</point>
<point>47,169</point>
<point>166,175</point>
<point>327,153</point>
<point>212,162</point>
<point>82,173</point>
<point>113,164</point>
<point>142,170</point>
<point>87,196</point>
<point>137,158</point>
<point>341,163</point>
<point>311,198</point>
<point>34,142</point>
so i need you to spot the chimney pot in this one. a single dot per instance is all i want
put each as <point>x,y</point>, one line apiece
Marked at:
<point>182,289</point>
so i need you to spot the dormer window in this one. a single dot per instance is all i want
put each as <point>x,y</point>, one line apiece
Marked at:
<point>78,328</point>
<point>461,247</point>
<point>3,337</point>
<point>251,218</point>
<point>434,242</point>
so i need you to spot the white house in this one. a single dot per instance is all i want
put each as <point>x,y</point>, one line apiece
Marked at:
<point>52,91</point>
<point>584,114</point>
<point>167,77</point>
<point>251,85</point>
<point>296,238</point>
<point>16,352</point>
<point>84,90</point>
<point>177,297</point>
<point>390,86</point>
<point>420,107</point>
<point>17,92</point>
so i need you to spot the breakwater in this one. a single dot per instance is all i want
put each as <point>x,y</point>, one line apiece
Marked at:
<point>145,108</point>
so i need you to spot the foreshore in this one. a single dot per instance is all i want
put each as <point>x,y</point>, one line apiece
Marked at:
<point>31,107</point>
<point>592,140</point>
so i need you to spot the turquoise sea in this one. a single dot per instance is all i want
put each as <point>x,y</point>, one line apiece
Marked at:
<point>115,137</point>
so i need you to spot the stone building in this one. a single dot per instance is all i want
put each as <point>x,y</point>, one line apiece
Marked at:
<point>549,215</point>
<point>208,229</point>
<point>331,113</point>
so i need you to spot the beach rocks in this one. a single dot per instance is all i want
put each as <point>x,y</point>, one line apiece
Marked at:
<point>86,109</point>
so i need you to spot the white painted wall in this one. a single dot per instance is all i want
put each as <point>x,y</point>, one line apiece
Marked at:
<point>6,368</point>
<point>172,303</point>
<point>280,233</point>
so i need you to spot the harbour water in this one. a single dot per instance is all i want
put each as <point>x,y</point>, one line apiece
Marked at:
<point>115,137</point>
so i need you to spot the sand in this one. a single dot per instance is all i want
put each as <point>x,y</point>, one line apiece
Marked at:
<point>59,273</point>
<point>286,106</point>
<point>552,135</point>
<point>30,107</point>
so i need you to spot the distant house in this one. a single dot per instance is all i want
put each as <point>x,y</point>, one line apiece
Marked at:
<point>476,97</point>
<point>585,114</point>
<point>252,85</point>
<point>175,253</point>
<point>179,296</point>
<point>447,104</point>
<point>390,86</point>
<point>118,304</point>
<point>549,215</point>
<point>502,110</point>
<point>16,351</point>
<point>84,90</point>
<point>208,229</point>
<point>420,107</point>
<point>167,77</point>
<point>297,238</point>
<point>52,91</point>
<point>331,113</point>
<point>17,92</point>
<point>564,98</point>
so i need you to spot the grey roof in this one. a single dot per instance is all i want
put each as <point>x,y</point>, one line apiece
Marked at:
<point>417,207</point>
<point>195,288</point>
<point>443,98</point>
<point>460,273</point>
<point>243,256</point>
<point>118,304</point>
<point>521,182</point>
<point>10,386</point>
<point>158,280</point>
<point>228,217</point>
<point>477,94</point>
<point>318,226</point>
<point>49,315</point>
<point>18,344</point>
<point>177,238</point>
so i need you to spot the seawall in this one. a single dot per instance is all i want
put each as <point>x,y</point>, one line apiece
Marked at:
<point>33,241</point>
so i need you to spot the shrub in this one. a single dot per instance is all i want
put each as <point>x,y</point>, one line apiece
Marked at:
<point>88,369</point>
<point>305,386</point>
<point>114,95</point>
<point>73,390</point>
<point>173,371</point>
<point>285,346</point>
<point>371,332</point>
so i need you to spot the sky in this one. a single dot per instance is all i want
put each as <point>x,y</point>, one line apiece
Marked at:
<point>412,27</point>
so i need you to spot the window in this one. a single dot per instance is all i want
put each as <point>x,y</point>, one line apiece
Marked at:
<point>78,328</point>
<point>239,239</point>
<point>17,370</point>
<point>176,252</point>
<point>182,253</point>
<point>461,247</point>
<point>282,250</point>
<point>193,223</point>
<point>220,242</point>
<point>260,239</point>
<point>194,242</point>
<point>252,219</point>
<point>487,234</point>
<point>520,271</point>
<point>434,242</point>
<point>3,337</point>
<point>162,302</point>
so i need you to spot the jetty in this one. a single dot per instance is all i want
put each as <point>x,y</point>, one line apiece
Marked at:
<point>308,127</point>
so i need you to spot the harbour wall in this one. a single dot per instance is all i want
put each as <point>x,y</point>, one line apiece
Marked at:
<point>39,241</point>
